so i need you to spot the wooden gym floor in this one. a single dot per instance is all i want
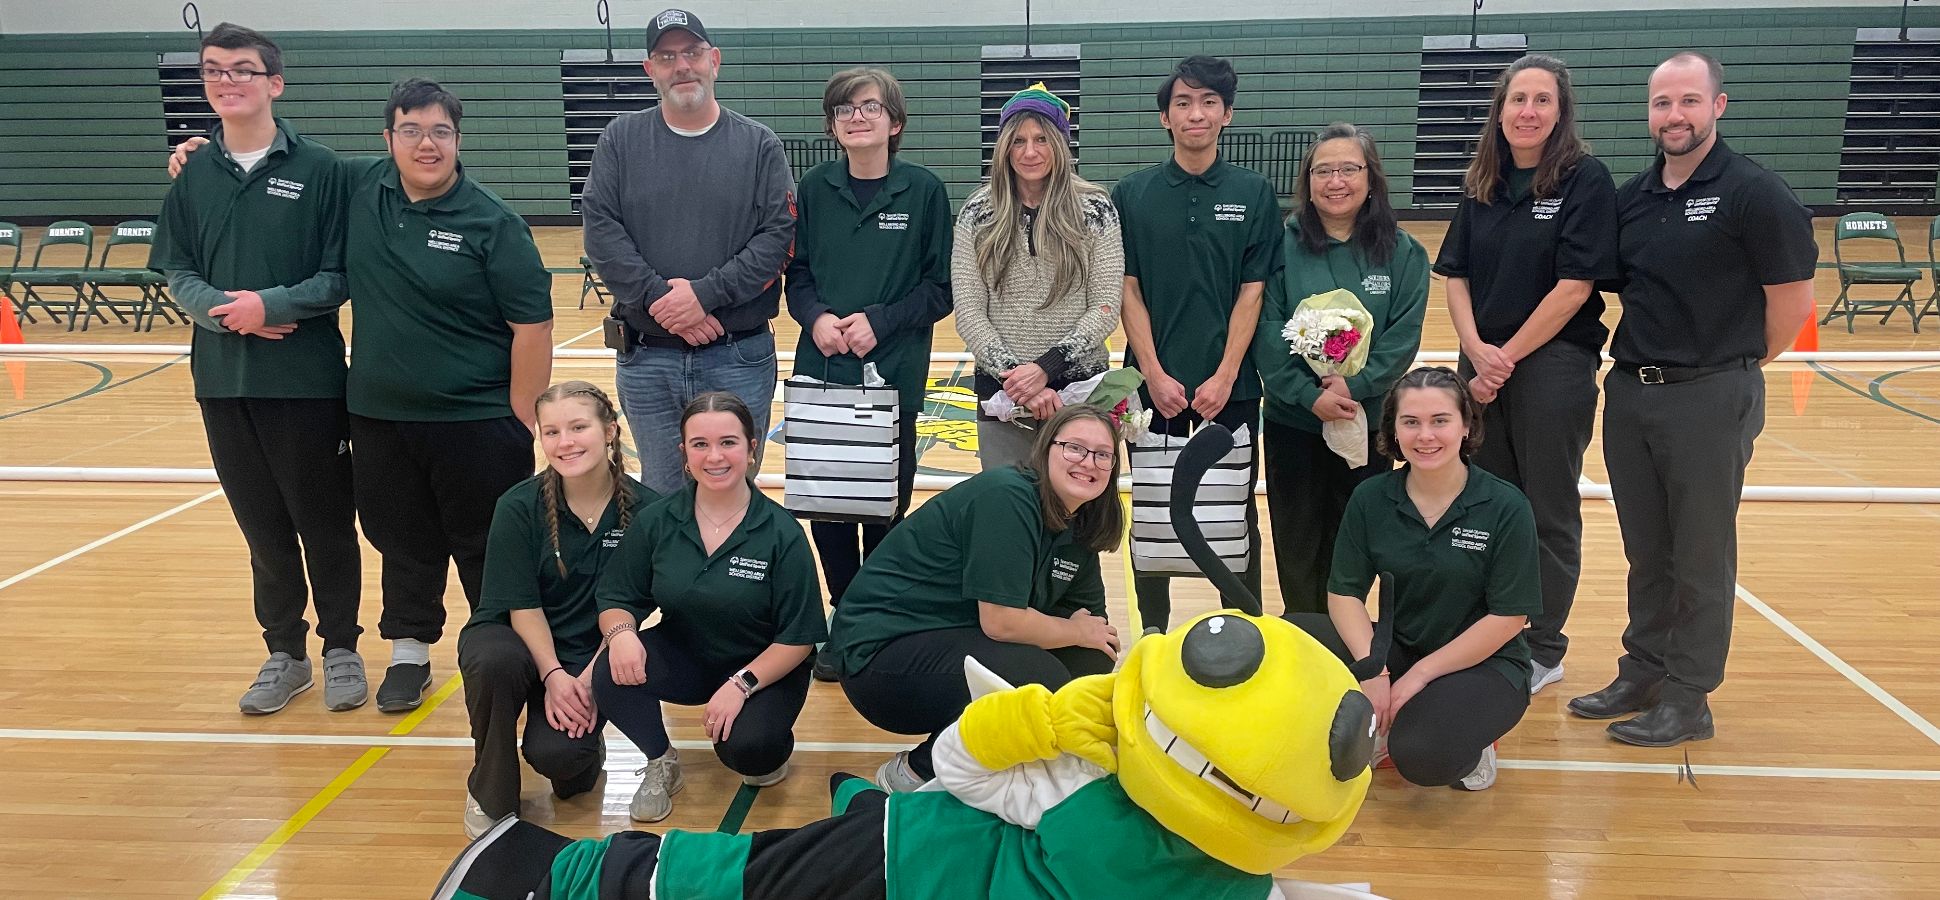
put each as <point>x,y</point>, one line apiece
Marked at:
<point>125,639</point>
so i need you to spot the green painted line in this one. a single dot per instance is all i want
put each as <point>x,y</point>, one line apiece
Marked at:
<point>101,385</point>
<point>737,811</point>
<point>1872,391</point>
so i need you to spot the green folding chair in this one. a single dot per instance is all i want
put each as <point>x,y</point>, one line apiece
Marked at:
<point>150,285</point>
<point>65,233</point>
<point>10,237</point>
<point>1854,228</point>
<point>1932,306</point>
<point>591,284</point>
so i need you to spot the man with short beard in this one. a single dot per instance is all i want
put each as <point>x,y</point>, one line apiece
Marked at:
<point>1717,258</point>
<point>688,219</point>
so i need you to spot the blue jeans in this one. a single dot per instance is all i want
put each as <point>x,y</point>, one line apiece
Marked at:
<point>656,383</point>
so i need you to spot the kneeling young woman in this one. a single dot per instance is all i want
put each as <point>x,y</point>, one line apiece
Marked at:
<point>1460,544</point>
<point>1003,567</point>
<point>733,579</point>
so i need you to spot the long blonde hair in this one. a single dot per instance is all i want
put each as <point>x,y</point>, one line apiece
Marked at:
<point>1061,233</point>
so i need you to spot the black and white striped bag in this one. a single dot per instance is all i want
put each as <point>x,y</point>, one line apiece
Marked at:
<point>841,451</point>
<point>1220,508</point>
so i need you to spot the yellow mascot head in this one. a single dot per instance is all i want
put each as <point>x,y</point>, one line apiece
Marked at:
<point>1244,736</point>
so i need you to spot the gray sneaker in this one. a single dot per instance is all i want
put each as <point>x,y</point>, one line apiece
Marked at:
<point>769,780</point>
<point>654,800</point>
<point>281,677</point>
<point>896,776</point>
<point>476,821</point>
<point>1483,777</point>
<point>344,685</point>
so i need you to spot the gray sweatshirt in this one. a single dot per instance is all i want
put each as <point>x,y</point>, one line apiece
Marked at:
<point>717,209</point>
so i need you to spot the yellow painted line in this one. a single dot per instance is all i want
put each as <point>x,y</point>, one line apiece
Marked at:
<point>317,804</point>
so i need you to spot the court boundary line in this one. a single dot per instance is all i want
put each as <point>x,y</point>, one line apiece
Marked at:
<point>108,539</point>
<point>619,748</point>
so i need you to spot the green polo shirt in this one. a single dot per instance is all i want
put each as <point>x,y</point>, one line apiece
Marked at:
<point>983,540</point>
<point>272,227</point>
<point>1192,241</point>
<point>434,285</point>
<point>757,588</point>
<point>1478,560</point>
<point>1396,296</point>
<point>522,572</point>
<point>884,258</point>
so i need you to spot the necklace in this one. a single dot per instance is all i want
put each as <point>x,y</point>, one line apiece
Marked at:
<point>723,523</point>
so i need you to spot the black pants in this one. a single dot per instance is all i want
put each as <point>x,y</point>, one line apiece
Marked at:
<point>1307,486</point>
<point>285,468</point>
<point>1677,455</point>
<point>426,491</point>
<point>763,735</point>
<point>837,542</point>
<point>1533,436</point>
<point>1155,591</point>
<point>914,684</point>
<point>501,682</point>
<point>1440,734</point>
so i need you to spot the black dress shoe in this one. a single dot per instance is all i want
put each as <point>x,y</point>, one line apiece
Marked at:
<point>1666,725</point>
<point>1621,698</point>
<point>824,668</point>
<point>404,687</point>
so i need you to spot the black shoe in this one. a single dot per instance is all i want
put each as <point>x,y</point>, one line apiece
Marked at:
<point>1621,698</point>
<point>824,668</point>
<point>1666,725</point>
<point>404,687</point>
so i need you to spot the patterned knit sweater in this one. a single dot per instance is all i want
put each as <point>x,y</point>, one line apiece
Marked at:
<point>1013,325</point>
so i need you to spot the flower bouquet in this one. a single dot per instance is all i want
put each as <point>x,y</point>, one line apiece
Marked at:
<point>1115,391</point>
<point>1330,332</point>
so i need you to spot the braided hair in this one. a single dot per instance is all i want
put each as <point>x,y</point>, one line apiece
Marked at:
<point>552,485</point>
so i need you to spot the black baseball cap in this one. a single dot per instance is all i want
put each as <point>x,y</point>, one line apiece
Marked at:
<point>675,20</point>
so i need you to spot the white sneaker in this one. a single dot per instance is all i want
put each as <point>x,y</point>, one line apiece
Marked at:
<point>654,800</point>
<point>896,777</point>
<point>1483,777</point>
<point>1541,676</point>
<point>476,821</point>
<point>1380,757</point>
<point>769,780</point>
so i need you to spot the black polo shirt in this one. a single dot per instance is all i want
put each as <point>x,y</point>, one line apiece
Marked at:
<point>1515,248</point>
<point>1193,241</point>
<point>522,565</point>
<point>1695,261</point>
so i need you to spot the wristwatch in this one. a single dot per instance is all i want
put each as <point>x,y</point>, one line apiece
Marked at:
<point>746,681</point>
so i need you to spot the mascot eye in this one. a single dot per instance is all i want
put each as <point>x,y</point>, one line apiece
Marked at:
<point>1222,651</point>
<point>1351,740</point>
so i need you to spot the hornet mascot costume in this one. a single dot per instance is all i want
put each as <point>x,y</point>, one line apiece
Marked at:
<point>1219,752</point>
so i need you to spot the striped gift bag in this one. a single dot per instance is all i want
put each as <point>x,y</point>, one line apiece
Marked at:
<point>1220,508</point>
<point>841,451</point>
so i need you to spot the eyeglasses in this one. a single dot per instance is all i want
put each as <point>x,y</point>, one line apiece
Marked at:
<point>692,55</point>
<point>1077,452</point>
<point>412,134</point>
<point>212,74</point>
<point>1327,173</point>
<point>870,109</point>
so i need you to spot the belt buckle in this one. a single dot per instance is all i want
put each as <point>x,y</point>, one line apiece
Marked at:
<point>1650,374</point>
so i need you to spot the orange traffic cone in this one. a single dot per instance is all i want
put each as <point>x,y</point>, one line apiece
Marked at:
<point>10,334</point>
<point>1808,339</point>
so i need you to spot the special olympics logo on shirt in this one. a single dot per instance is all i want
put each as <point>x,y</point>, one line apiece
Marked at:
<point>889,221</point>
<point>1468,538</point>
<point>1064,569</point>
<point>1376,284</point>
<point>1544,210</point>
<point>1229,212</point>
<point>444,240</point>
<point>745,567</point>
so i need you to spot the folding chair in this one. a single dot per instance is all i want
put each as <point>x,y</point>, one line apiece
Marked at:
<point>152,285</point>
<point>65,233</point>
<point>591,284</point>
<point>1932,306</point>
<point>9,237</point>
<point>1855,227</point>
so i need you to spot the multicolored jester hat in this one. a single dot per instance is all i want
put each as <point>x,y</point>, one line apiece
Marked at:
<point>1218,753</point>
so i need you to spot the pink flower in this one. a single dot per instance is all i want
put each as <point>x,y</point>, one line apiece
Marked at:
<point>1340,344</point>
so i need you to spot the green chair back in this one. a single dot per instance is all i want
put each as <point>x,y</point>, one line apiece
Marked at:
<point>67,232</point>
<point>10,237</point>
<point>134,233</point>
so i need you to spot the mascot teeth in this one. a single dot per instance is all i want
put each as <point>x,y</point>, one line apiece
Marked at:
<point>1189,758</point>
